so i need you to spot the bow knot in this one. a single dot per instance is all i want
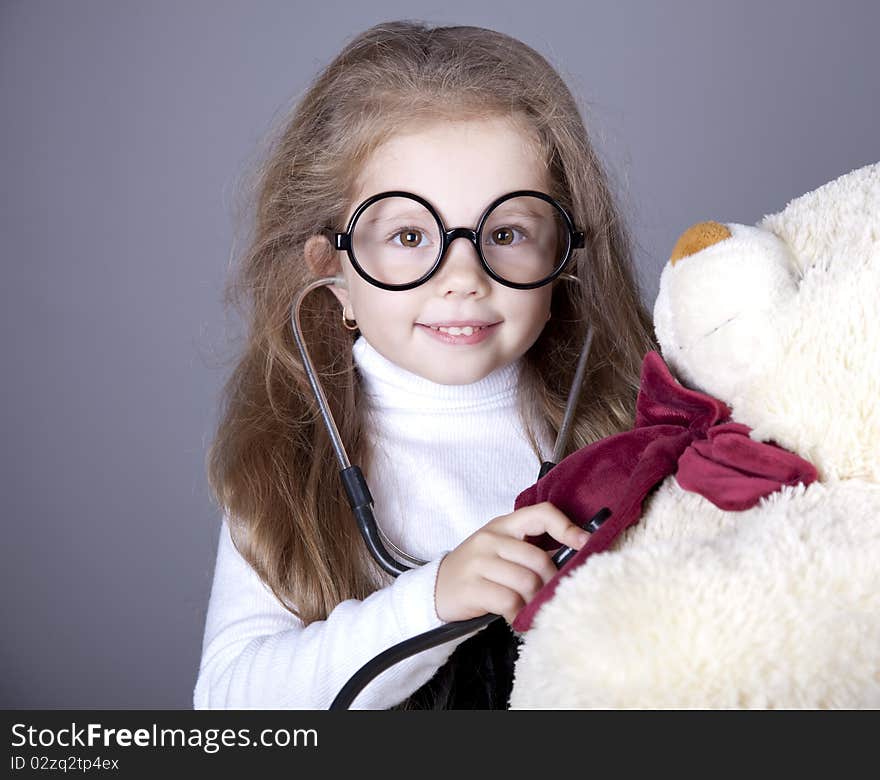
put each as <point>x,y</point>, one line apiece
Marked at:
<point>677,431</point>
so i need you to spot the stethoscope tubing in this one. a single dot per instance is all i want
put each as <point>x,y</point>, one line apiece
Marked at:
<point>359,497</point>
<point>361,502</point>
<point>436,636</point>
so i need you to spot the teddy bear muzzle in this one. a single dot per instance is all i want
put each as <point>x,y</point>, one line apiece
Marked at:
<point>698,237</point>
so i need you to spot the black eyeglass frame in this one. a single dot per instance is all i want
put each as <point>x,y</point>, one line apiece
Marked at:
<point>342,241</point>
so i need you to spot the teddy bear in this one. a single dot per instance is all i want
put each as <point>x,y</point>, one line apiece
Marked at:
<point>744,568</point>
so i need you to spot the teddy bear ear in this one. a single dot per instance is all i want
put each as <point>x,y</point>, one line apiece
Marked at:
<point>698,237</point>
<point>839,219</point>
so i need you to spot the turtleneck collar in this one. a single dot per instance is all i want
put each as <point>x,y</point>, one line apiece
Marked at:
<point>391,387</point>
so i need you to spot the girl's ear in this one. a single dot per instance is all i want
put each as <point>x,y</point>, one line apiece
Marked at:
<point>320,259</point>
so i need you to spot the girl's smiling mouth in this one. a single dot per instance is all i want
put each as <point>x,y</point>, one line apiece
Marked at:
<point>463,332</point>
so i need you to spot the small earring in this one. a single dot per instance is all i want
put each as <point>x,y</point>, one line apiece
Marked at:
<point>349,324</point>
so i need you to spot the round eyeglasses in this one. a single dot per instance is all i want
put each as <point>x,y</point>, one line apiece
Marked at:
<point>396,240</point>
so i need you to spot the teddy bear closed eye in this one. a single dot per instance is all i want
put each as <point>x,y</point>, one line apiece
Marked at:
<point>744,569</point>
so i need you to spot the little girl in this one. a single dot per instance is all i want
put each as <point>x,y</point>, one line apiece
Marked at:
<point>446,364</point>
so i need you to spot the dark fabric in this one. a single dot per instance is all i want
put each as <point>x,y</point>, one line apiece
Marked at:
<point>477,676</point>
<point>677,431</point>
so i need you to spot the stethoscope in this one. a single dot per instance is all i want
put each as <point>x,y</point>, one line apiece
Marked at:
<point>361,503</point>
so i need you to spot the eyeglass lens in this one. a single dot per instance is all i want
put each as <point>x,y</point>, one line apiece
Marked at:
<point>396,240</point>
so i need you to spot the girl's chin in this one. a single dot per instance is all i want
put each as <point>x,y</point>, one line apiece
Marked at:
<point>456,374</point>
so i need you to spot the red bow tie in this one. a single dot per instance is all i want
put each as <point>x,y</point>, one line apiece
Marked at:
<point>677,431</point>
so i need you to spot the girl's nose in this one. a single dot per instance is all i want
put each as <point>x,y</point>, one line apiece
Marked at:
<point>461,271</point>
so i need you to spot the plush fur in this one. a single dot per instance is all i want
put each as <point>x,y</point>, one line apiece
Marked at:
<point>777,606</point>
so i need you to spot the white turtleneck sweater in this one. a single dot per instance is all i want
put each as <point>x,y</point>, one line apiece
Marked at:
<point>448,459</point>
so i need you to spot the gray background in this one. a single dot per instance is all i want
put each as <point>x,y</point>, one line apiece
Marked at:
<point>126,128</point>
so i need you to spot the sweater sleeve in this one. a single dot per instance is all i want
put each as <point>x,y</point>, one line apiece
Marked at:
<point>258,655</point>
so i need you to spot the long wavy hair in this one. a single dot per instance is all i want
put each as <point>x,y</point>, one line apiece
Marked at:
<point>270,465</point>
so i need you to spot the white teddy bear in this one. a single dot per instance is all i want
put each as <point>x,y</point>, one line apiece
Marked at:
<point>778,605</point>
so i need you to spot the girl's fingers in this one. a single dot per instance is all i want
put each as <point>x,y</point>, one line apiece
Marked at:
<point>528,556</point>
<point>496,570</point>
<point>543,518</point>
<point>523,581</point>
<point>500,600</point>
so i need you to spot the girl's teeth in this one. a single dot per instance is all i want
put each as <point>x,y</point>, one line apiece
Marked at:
<point>467,330</point>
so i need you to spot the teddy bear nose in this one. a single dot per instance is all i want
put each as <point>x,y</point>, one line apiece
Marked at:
<point>698,237</point>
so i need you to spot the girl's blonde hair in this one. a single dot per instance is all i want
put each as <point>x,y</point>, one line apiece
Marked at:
<point>271,466</point>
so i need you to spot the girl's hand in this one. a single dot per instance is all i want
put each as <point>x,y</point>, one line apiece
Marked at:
<point>494,570</point>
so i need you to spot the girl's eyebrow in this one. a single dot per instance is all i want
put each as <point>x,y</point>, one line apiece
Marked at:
<point>521,212</point>
<point>379,212</point>
<point>408,214</point>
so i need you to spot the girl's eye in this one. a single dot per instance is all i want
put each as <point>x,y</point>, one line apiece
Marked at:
<point>505,235</point>
<point>411,238</point>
